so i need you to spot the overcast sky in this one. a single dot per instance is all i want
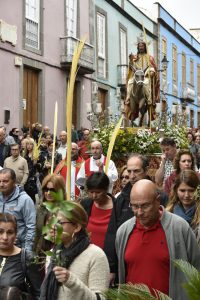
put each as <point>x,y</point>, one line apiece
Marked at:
<point>186,12</point>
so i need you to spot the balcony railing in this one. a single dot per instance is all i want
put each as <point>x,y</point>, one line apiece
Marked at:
<point>188,94</point>
<point>86,61</point>
<point>122,71</point>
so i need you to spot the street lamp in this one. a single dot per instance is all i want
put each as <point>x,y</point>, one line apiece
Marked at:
<point>164,64</point>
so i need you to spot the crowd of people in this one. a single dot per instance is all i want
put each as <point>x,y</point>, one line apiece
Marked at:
<point>129,234</point>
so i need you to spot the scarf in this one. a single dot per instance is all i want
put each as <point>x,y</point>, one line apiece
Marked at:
<point>187,215</point>
<point>49,289</point>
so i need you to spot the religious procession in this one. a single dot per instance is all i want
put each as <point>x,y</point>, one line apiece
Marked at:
<point>102,204</point>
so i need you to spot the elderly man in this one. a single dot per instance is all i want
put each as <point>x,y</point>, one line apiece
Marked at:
<point>18,164</point>
<point>148,243</point>
<point>76,162</point>
<point>15,201</point>
<point>137,165</point>
<point>63,144</point>
<point>168,147</point>
<point>97,163</point>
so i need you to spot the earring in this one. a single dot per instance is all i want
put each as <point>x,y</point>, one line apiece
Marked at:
<point>73,237</point>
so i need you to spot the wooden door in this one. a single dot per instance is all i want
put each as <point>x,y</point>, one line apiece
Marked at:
<point>102,96</point>
<point>30,96</point>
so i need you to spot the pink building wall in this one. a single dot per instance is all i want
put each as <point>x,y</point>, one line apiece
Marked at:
<point>53,79</point>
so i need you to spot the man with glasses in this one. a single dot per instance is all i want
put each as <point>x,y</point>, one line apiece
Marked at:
<point>137,169</point>
<point>18,164</point>
<point>148,243</point>
<point>137,165</point>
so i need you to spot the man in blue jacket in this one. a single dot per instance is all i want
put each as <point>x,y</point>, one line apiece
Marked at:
<point>15,201</point>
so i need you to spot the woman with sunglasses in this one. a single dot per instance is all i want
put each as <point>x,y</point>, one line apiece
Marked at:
<point>83,271</point>
<point>123,179</point>
<point>51,183</point>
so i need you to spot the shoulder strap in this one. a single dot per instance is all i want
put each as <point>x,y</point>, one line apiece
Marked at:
<point>23,260</point>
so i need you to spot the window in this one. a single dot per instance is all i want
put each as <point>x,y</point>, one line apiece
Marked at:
<point>191,118</point>
<point>71,12</point>
<point>198,79</point>
<point>174,63</point>
<point>123,54</point>
<point>183,70</point>
<point>191,71</point>
<point>32,19</point>
<point>101,45</point>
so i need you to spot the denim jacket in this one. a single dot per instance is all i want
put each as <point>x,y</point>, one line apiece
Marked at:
<point>22,207</point>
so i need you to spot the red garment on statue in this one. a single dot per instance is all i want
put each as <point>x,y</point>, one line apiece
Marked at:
<point>147,257</point>
<point>98,225</point>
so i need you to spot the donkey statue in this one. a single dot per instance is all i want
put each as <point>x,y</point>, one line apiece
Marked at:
<point>139,94</point>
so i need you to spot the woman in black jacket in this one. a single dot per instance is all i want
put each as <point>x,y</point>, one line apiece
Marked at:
<point>16,266</point>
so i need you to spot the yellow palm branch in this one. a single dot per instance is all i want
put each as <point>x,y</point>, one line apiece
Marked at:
<point>69,105</point>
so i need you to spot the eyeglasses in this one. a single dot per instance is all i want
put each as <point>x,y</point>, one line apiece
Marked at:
<point>124,177</point>
<point>46,189</point>
<point>64,222</point>
<point>143,207</point>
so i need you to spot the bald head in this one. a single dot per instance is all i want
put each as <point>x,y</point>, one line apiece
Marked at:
<point>96,149</point>
<point>145,202</point>
<point>145,187</point>
<point>74,152</point>
<point>63,137</point>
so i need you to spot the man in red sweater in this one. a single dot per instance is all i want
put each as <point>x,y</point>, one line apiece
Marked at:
<point>148,243</point>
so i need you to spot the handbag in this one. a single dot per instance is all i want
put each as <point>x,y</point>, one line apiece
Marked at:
<point>26,295</point>
<point>13,292</point>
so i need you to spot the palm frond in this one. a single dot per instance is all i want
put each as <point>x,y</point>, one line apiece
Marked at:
<point>69,105</point>
<point>112,142</point>
<point>192,287</point>
<point>134,292</point>
<point>189,271</point>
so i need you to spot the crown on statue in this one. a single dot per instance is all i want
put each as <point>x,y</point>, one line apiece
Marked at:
<point>141,39</point>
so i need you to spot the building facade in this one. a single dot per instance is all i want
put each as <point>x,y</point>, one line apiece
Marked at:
<point>37,39</point>
<point>180,84</point>
<point>118,24</point>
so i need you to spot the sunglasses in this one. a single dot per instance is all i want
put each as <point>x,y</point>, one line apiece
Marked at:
<point>46,189</point>
<point>126,177</point>
<point>64,222</point>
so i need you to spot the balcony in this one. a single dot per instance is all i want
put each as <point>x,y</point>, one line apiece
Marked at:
<point>188,94</point>
<point>122,71</point>
<point>86,61</point>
